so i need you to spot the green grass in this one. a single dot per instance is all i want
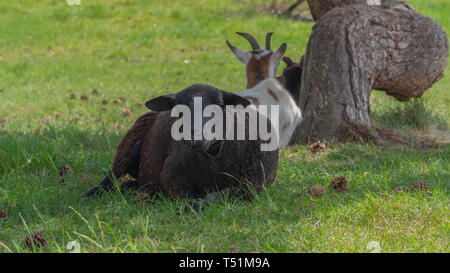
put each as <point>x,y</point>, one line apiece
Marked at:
<point>137,50</point>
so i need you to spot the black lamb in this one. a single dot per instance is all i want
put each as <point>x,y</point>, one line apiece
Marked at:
<point>193,169</point>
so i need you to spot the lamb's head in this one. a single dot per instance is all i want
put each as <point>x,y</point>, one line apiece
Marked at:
<point>260,63</point>
<point>192,102</point>
<point>292,77</point>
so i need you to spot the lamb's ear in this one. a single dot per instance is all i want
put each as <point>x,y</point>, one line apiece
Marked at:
<point>278,55</point>
<point>161,103</point>
<point>233,99</point>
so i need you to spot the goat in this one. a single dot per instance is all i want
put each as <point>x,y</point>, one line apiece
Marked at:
<point>262,86</point>
<point>191,169</point>
<point>291,77</point>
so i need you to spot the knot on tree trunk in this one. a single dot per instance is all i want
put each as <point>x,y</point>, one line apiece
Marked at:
<point>356,48</point>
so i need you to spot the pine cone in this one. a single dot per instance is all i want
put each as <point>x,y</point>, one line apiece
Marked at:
<point>339,183</point>
<point>65,169</point>
<point>421,186</point>
<point>317,146</point>
<point>126,112</point>
<point>316,190</point>
<point>38,240</point>
<point>3,214</point>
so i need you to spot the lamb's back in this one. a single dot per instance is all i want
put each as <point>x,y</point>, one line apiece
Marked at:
<point>154,151</point>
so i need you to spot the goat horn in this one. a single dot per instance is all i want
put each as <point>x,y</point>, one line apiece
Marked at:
<point>268,36</point>
<point>251,40</point>
<point>232,47</point>
<point>288,61</point>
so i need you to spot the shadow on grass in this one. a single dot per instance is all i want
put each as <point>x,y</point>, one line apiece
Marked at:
<point>411,124</point>
<point>31,193</point>
<point>415,114</point>
<point>35,151</point>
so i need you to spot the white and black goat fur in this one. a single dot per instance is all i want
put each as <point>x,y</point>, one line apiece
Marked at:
<point>262,86</point>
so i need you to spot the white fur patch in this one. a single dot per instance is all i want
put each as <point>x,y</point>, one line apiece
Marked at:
<point>262,53</point>
<point>290,114</point>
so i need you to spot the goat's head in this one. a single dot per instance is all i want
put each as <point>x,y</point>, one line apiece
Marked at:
<point>189,99</point>
<point>292,77</point>
<point>260,63</point>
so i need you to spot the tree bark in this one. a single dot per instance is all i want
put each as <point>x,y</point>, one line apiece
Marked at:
<point>319,7</point>
<point>356,48</point>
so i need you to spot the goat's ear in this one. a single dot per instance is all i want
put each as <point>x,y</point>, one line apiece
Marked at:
<point>242,56</point>
<point>161,103</point>
<point>233,99</point>
<point>288,61</point>
<point>278,55</point>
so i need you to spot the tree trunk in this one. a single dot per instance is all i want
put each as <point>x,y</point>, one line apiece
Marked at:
<point>319,7</point>
<point>356,48</point>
